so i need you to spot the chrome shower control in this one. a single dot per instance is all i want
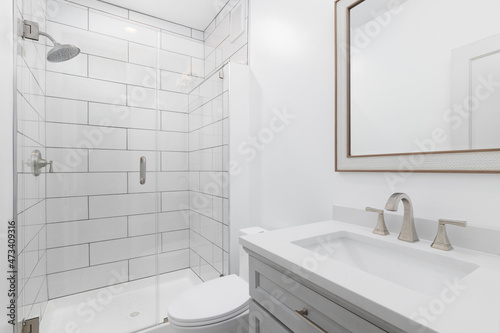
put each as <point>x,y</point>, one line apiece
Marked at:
<point>37,163</point>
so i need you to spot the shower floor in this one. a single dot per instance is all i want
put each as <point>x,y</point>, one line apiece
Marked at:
<point>125,308</point>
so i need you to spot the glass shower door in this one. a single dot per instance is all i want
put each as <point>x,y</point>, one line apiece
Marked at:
<point>93,233</point>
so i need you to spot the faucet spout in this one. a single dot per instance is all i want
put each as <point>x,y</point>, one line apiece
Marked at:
<point>408,232</point>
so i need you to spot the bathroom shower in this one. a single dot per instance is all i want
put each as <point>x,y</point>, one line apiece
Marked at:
<point>59,53</point>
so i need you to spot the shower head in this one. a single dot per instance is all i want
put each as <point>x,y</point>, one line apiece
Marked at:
<point>59,53</point>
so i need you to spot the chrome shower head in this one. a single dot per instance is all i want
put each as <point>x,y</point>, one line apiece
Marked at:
<point>59,53</point>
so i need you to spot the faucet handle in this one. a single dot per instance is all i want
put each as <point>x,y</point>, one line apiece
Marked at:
<point>381,228</point>
<point>441,242</point>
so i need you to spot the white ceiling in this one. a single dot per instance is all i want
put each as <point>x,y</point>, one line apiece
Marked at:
<point>191,13</point>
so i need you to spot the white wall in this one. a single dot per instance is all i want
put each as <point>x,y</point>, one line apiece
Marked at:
<point>293,182</point>
<point>6,87</point>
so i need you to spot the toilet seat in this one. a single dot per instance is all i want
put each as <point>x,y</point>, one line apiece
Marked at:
<point>211,302</point>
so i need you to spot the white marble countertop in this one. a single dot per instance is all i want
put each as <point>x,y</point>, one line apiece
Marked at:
<point>470,305</point>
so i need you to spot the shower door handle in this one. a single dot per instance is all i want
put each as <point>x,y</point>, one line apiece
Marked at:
<point>142,174</point>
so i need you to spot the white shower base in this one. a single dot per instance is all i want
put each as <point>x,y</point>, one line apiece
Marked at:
<point>125,308</point>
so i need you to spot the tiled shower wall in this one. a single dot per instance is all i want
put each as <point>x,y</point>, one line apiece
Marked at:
<point>101,119</point>
<point>226,38</point>
<point>209,141</point>
<point>31,115</point>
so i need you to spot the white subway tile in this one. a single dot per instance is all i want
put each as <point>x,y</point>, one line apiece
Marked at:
<point>122,72</point>
<point>197,34</point>
<point>141,97</point>
<point>126,248</point>
<point>198,67</point>
<point>76,66</point>
<point>225,237</point>
<point>171,61</point>
<point>207,272</point>
<point>194,262</point>
<point>80,232</point>
<point>67,209</point>
<point>177,82</point>
<point>174,161</point>
<point>34,215</point>
<point>220,33</point>
<point>225,211</point>
<point>158,23</point>
<point>122,116</point>
<point>175,240</point>
<point>173,261</point>
<point>67,258</point>
<point>173,181</point>
<point>90,42</point>
<point>139,225</point>
<point>142,267</point>
<point>142,54</point>
<point>211,183</point>
<point>79,184</point>
<point>142,139</point>
<point>175,201</point>
<point>66,110</point>
<point>67,13</point>
<point>167,262</point>
<point>172,101</point>
<point>79,280</point>
<point>167,141</point>
<point>102,6</point>
<point>120,160</point>
<point>170,221</point>
<point>121,205</point>
<point>174,121</point>
<point>81,88</point>
<point>179,44</point>
<point>81,136</point>
<point>124,29</point>
<point>68,160</point>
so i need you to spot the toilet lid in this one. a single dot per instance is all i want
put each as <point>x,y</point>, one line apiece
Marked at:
<point>210,302</point>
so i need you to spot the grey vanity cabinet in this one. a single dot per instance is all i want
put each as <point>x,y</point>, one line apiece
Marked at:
<point>282,304</point>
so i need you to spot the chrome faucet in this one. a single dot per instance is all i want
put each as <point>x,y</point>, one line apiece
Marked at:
<point>408,232</point>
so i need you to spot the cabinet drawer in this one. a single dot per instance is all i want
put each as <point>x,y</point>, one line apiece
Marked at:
<point>300,308</point>
<point>262,321</point>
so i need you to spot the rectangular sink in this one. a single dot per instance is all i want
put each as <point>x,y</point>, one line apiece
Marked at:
<point>417,270</point>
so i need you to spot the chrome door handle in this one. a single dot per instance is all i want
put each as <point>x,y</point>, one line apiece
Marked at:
<point>142,174</point>
<point>303,315</point>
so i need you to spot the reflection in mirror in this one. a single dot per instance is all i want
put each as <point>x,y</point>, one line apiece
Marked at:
<point>421,79</point>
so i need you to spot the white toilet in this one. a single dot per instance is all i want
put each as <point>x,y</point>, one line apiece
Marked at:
<point>216,306</point>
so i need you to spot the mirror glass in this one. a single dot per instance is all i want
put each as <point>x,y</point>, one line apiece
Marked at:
<point>424,76</point>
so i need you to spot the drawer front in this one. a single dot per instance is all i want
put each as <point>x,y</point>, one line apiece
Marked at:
<point>262,321</point>
<point>300,308</point>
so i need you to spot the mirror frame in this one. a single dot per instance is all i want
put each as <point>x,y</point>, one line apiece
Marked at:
<point>459,161</point>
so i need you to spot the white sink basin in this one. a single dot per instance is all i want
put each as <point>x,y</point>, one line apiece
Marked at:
<point>424,272</point>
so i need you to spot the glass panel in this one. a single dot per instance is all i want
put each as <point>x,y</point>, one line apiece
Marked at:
<point>89,228</point>
<point>208,142</point>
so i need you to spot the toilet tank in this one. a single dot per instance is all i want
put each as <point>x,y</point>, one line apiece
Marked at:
<point>244,274</point>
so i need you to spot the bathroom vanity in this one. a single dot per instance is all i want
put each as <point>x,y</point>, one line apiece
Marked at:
<point>338,277</point>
